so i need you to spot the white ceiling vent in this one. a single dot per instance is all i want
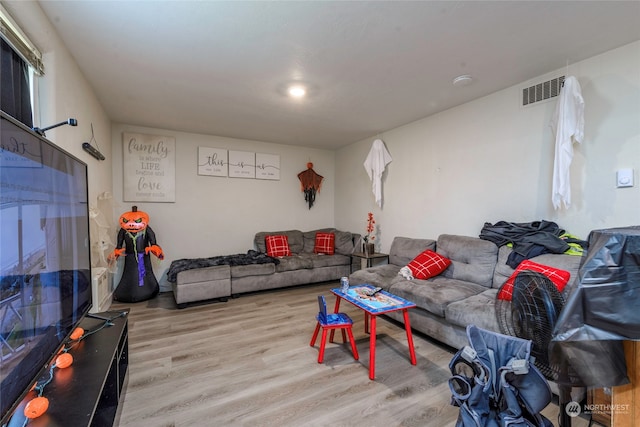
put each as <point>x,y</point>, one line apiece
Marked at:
<point>542,91</point>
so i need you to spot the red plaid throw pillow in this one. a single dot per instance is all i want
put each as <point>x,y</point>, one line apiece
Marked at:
<point>278,245</point>
<point>325,243</point>
<point>428,264</point>
<point>559,277</point>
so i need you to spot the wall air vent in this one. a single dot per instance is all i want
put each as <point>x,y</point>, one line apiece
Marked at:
<point>542,91</point>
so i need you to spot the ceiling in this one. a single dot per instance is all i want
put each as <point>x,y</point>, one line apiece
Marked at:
<point>221,67</point>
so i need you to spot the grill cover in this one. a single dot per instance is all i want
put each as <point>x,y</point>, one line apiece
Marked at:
<point>602,309</point>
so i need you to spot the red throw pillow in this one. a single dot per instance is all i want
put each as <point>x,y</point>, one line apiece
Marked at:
<point>560,278</point>
<point>325,243</point>
<point>278,245</point>
<point>428,264</point>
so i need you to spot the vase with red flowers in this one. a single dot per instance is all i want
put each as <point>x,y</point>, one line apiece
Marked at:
<point>369,246</point>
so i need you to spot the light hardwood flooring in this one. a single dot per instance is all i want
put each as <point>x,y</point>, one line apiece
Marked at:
<point>247,362</point>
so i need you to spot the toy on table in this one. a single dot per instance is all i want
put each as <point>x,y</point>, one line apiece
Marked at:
<point>138,283</point>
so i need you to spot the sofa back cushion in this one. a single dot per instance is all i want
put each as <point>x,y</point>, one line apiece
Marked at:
<point>472,259</point>
<point>309,239</point>
<point>325,243</point>
<point>277,245</point>
<point>344,240</point>
<point>405,249</point>
<point>294,237</point>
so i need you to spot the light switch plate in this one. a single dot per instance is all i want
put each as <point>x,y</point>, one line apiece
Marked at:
<point>624,178</point>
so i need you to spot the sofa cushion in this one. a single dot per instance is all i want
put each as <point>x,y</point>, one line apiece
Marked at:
<point>325,243</point>
<point>476,310</point>
<point>252,270</point>
<point>322,260</point>
<point>434,295</point>
<point>296,241</point>
<point>277,245</point>
<point>404,249</point>
<point>294,262</point>
<point>309,238</point>
<point>428,264</point>
<point>559,277</point>
<point>503,271</point>
<point>206,274</point>
<point>472,259</point>
<point>343,240</point>
<point>383,276</point>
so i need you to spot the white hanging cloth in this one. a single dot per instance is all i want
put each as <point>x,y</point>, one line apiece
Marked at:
<point>375,163</point>
<point>568,126</point>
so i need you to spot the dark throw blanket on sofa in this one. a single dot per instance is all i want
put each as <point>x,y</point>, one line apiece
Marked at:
<point>251,257</point>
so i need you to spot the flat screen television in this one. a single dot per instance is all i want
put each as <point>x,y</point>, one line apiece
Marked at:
<point>45,267</point>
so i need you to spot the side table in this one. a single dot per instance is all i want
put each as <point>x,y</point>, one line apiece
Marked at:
<point>369,257</point>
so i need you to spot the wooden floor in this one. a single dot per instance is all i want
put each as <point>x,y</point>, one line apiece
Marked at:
<point>247,362</point>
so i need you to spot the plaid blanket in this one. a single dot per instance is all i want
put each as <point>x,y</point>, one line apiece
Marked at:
<point>251,257</point>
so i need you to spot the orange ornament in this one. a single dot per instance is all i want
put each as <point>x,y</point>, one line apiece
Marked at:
<point>36,407</point>
<point>64,360</point>
<point>77,334</point>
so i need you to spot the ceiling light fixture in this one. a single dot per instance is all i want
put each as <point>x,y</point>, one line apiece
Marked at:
<point>296,91</point>
<point>463,80</point>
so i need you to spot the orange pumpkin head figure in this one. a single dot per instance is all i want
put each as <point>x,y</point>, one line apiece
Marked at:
<point>134,221</point>
<point>136,241</point>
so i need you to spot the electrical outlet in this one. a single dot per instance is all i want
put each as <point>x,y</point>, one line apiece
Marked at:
<point>624,178</point>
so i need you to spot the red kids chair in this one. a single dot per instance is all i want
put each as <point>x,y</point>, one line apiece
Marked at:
<point>330,322</point>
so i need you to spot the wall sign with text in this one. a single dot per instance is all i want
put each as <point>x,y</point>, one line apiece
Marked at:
<point>242,164</point>
<point>267,166</point>
<point>212,161</point>
<point>149,167</point>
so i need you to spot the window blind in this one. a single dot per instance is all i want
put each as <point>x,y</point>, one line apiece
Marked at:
<point>19,42</point>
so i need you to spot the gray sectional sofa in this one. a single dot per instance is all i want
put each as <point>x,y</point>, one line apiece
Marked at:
<point>465,293</point>
<point>303,267</point>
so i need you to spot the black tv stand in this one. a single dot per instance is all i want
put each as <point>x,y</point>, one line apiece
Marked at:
<point>108,316</point>
<point>89,392</point>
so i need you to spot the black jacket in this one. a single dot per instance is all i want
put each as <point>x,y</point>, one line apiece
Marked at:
<point>529,239</point>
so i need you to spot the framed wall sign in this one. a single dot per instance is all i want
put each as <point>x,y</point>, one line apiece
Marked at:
<point>242,164</point>
<point>212,161</point>
<point>267,166</point>
<point>149,167</point>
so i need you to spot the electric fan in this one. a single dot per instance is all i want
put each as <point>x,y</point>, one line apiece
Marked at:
<point>531,314</point>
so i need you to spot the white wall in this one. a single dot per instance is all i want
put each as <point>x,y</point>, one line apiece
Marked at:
<point>484,161</point>
<point>492,160</point>
<point>220,215</point>
<point>64,92</point>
